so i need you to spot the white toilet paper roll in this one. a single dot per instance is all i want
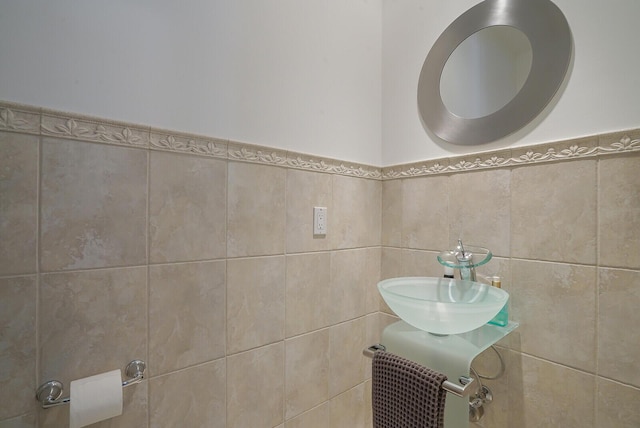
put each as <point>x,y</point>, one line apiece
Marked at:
<point>95,399</point>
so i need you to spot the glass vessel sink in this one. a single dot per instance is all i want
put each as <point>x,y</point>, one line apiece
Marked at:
<point>442,305</point>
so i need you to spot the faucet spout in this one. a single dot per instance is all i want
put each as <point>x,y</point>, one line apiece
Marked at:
<point>465,260</point>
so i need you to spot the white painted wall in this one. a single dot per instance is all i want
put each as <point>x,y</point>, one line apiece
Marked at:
<point>335,78</point>
<point>297,75</point>
<point>600,95</point>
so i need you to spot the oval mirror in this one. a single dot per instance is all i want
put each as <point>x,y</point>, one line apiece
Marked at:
<point>459,104</point>
<point>486,71</point>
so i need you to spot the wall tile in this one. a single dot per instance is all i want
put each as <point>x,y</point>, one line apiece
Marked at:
<point>556,307</point>
<point>24,421</point>
<point>479,210</point>
<point>18,203</point>
<point>255,387</point>
<point>346,362</point>
<point>544,394</point>
<point>186,315</point>
<point>256,210</point>
<point>619,212</point>
<point>317,417</point>
<point>187,208</point>
<point>255,302</point>
<point>553,212</point>
<point>348,410</point>
<point>617,405</point>
<point>306,190</point>
<point>392,213</point>
<point>79,315</point>
<point>368,404</point>
<point>371,279</point>
<point>356,220</point>
<point>618,337</point>
<point>17,345</point>
<point>194,397</point>
<point>308,288</point>
<point>421,263</point>
<point>94,205</point>
<point>425,213</point>
<point>391,263</point>
<point>350,279</point>
<point>306,372</point>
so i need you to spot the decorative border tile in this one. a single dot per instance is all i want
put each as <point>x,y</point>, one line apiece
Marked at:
<point>579,148</point>
<point>416,169</point>
<point>619,142</point>
<point>332,166</point>
<point>19,119</point>
<point>79,128</point>
<point>33,120</point>
<point>266,155</point>
<point>184,143</point>
<point>356,171</point>
<point>256,154</point>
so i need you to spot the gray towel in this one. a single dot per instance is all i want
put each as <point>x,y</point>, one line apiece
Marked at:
<point>406,394</point>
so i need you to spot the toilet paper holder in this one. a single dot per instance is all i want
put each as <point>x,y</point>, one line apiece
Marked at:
<point>49,393</point>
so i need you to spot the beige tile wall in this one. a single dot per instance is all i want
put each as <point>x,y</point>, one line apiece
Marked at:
<point>197,255</point>
<point>18,203</point>
<point>566,236</point>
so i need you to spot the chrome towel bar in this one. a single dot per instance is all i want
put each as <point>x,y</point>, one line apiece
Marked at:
<point>463,389</point>
<point>49,393</point>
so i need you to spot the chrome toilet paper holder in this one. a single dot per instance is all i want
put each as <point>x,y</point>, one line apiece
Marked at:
<point>49,393</point>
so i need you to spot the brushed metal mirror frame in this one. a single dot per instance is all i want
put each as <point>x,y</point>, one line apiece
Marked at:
<point>548,32</point>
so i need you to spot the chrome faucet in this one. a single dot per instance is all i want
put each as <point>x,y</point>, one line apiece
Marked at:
<point>465,260</point>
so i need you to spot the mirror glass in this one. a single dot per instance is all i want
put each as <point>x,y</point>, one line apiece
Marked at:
<point>486,71</point>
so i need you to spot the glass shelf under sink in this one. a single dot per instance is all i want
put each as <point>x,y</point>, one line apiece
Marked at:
<point>451,355</point>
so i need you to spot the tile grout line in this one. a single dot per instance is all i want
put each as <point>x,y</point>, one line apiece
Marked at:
<point>147,281</point>
<point>38,305</point>
<point>284,303</point>
<point>596,387</point>
<point>226,289</point>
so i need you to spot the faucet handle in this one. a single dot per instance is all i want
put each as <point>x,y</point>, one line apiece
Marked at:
<point>461,254</point>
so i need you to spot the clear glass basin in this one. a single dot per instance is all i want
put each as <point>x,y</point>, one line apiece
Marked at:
<point>442,305</point>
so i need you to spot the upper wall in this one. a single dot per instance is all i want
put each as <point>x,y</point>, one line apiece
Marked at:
<point>599,96</point>
<point>301,76</point>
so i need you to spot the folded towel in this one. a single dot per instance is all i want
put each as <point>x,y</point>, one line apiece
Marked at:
<point>406,394</point>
